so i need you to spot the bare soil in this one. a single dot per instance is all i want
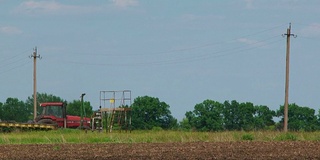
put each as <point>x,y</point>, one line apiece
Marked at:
<point>196,150</point>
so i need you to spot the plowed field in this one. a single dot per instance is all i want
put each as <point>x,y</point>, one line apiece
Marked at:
<point>197,150</point>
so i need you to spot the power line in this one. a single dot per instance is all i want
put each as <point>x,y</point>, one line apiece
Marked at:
<point>310,38</point>
<point>14,56</point>
<point>191,58</point>
<point>182,50</point>
<point>10,69</point>
<point>11,63</point>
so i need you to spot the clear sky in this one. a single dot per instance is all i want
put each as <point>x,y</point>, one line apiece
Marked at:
<point>180,51</point>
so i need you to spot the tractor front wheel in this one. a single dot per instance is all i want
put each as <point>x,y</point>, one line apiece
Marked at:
<point>84,128</point>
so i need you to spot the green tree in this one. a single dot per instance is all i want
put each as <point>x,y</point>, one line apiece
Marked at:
<point>263,117</point>
<point>14,110</point>
<point>299,118</point>
<point>214,116</point>
<point>239,116</point>
<point>207,116</point>
<point>74,108</point>
<point>41,97</point>
<point>149,112</point>
<point>247,112</point>
<point>231,114</point>
<point>185,124</point>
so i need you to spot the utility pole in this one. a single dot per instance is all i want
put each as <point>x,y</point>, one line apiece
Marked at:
<point>82,110</point>
<point>286,98</point>
<point>35,56</point>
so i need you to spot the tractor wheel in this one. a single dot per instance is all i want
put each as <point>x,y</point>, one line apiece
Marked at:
<point>84,128</point>
<point>47,121</point>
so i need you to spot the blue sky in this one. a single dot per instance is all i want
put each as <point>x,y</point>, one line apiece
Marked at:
<point>182,52</point>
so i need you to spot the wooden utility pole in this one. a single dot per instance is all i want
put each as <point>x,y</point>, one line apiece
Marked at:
<point>286,98</point>
<point>35,56</point>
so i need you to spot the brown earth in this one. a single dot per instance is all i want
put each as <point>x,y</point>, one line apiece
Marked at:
<point>197,150</point>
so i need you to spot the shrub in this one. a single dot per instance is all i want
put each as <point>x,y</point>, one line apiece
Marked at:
<point>286,137</point>
<point>247,137</point>
<point>157,129</point>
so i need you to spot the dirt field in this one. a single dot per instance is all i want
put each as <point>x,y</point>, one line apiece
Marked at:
<point>199,150</point>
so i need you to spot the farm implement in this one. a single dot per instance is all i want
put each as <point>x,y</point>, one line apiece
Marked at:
<point>26,125</point>
<point>53,116</point>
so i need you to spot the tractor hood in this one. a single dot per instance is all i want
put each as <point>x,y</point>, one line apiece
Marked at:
<point>76,118</point>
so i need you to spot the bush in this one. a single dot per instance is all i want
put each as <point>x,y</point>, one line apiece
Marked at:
<point>157,129</point>
<point>247,137</point>
<point>286,137</point>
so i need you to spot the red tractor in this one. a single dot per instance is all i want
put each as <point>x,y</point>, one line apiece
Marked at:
<point>55,113</point>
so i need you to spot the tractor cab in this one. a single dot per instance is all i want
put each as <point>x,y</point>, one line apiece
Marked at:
<point>52,113</point>
<point>55,113</point>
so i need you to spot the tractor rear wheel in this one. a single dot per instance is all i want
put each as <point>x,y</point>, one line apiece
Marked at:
<point>47,121</point>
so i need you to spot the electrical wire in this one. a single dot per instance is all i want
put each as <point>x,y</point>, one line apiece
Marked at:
<point>13,68</point>
<point>14,56</point>
<point>193,57</point>
<point>12,63</point>
<point>182,50</point>
<point>177,56</point>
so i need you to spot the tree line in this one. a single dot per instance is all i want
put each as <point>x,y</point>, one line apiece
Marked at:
<point>228,116</point>
<point>150,113</point>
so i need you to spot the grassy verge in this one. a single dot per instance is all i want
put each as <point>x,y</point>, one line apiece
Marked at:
<point>77,136</point>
